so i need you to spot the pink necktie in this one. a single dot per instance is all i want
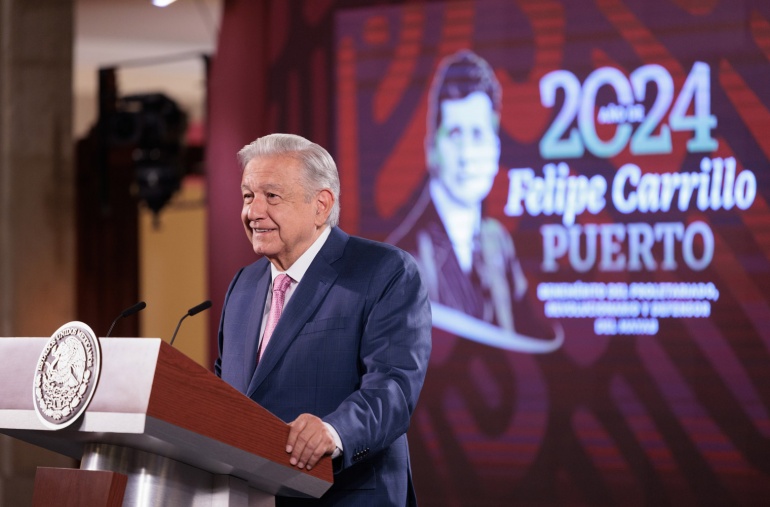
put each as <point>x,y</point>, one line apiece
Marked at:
<point>280,285</point>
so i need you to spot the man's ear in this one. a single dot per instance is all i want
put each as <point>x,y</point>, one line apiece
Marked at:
<point>324,201</point>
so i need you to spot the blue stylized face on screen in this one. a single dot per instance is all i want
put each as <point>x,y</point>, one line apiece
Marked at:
<point>467,148</point>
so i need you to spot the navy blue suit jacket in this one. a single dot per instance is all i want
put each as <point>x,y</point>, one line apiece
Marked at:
<point>351,347</point>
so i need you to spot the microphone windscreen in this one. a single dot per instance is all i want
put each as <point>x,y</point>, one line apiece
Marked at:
<point>197,309</point>
<point>141,305</point>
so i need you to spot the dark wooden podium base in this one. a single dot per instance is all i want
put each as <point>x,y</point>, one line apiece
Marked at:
<point>71,487</point>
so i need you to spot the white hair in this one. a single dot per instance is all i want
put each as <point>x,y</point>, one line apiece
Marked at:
<point>320,171</point>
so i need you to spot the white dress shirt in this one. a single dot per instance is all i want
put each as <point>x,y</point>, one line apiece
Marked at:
<point>461,223</point>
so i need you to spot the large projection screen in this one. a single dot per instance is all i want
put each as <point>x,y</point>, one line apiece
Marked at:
<point>584,185</point>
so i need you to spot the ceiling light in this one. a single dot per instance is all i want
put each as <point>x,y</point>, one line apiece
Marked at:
<point>162,3</point>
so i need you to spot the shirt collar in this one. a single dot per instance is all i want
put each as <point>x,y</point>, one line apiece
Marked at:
<point>297,270</point>
<point>462,224</point>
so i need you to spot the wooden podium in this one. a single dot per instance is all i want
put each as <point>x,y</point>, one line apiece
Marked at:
<point>160,430</point>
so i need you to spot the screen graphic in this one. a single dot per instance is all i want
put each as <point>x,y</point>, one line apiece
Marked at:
<point>584,186</point>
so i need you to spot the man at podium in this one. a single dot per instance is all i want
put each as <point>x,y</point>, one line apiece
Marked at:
<point>330,332</point>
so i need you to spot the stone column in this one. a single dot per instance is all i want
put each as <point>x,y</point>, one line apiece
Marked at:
<point>37,226</point>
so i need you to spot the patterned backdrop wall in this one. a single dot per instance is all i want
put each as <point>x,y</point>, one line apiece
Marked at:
<point>584,185</point>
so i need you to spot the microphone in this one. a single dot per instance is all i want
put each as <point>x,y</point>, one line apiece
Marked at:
<point>138,307</point>
<point>192,311</point>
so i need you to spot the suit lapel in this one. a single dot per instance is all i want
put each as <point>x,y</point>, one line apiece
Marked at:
<point>261,284</point>
<point>308,295</point>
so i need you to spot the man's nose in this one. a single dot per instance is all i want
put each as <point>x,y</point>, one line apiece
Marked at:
<point>464,148</point>
<point>255,209</point>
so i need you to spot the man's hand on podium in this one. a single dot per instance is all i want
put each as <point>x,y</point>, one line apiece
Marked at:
<point>309,440</point>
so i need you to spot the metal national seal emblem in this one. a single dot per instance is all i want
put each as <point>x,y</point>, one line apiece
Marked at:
<point>66,375</point>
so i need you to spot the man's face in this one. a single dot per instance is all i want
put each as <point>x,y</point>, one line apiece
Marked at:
<point>467,148</point>
<point>281,218</point>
